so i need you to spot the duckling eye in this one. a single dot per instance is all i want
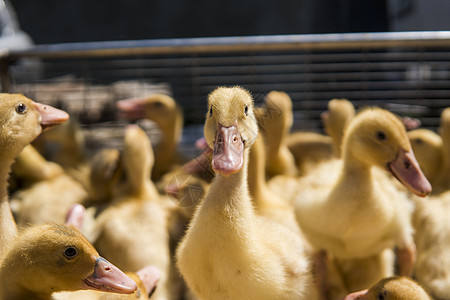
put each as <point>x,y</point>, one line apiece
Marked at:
<point>381,135</point>
<point>158,104</point>
<point>246,110</point>
<point>382,295</point>
<point>21,108</point>
<point>210,111</point>
<point>70,252</point>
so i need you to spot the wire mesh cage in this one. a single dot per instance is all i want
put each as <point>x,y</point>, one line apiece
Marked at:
<point>408,73</point>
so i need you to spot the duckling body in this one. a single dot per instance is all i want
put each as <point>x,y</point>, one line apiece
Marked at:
<point>31,167</point>
<point>65,145</point>
<point>309,149</point>
<point>61,191</point>
<point>51,258</point>
<point>266,202</point>
<point>432,240</point>
<point>41,260</point>
<point>275,121</point>
<point>427,146</point>
<point>368,212</point>
<point>441,183</point>
<point>132,231</point>
<point>229,252</point>
<point>166,113</point>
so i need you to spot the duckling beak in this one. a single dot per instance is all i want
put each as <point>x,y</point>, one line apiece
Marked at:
<point>228,154</point>
<point>149,276</point>
<point>407,170</point>
<point>109,278</point>
<point>50,116</point>
<point>361,295</point>
<point>133,108</point>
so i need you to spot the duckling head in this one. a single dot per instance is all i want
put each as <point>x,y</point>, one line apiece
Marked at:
<point>427,146</point>
<point>59,258</point>
<point>392,288</point>
<point>157,107</point>
<point>378,137</point>
<point>275,118</point>
<point>339,114</point>
<point>444,128</point>
<point>105,172</point>
<point>230,128</point>
<point>22,120</point>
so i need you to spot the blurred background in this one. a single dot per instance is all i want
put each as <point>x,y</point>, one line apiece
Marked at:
<point>56,21</point>
<point>51,58</point>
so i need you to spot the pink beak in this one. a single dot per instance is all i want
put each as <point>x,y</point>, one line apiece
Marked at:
<point>361,295</point>
<point>109,278</point>
<point>407,170</point>
<point>133,108</point>
<point>228,155</point>
<point>50,116</point>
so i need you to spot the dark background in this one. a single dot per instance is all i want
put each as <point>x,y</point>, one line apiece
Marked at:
<point>55,21</point>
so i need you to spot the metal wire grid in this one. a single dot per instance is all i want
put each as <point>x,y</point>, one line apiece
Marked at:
<point>407,73</point>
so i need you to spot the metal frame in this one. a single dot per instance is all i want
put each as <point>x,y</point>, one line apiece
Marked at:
<point>245,43</point>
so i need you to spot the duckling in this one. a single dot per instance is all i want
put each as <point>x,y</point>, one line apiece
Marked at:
<point>146,278</point>
<point>230,252</point>
<point>133,231</point>
<point>312,148</point>
<point>347,207</point>
<point>441,183</point>
<point>427,146</point>
<point>40,260</point>
<point>275,121</point>
<point>392,288</point>
<point>60,190</point>
<point>104,174</point>
<point>65,145</point>
<point>266,202</point>
<point>432,239</point>
<point>31,167</point>
<point>167,114</point>
<point>22,121</point>
<point>52,258</point>
<point>336,119</point>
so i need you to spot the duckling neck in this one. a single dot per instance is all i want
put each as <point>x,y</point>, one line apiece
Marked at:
<point>8,227</point>
<point>446,154</point>
<point>12,291</point>
<point>256,173</point>
<point>229,196</point>
<point>166,149</point>
<point>355,175</point>
<point>143,190</point>
<point>274,148</point>
<point>10,281</point>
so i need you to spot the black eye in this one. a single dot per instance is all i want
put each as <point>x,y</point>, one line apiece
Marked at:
<point>158,104</point>
<point>210,111</point>
<point>382,295</point>
<point>381,135</point>
<point>70,252</point>
<point>21,108</point>
<point>246,110</point>
<point>419,141</point>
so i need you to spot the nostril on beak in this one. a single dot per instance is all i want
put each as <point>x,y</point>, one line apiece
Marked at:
<point>407,164</point>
